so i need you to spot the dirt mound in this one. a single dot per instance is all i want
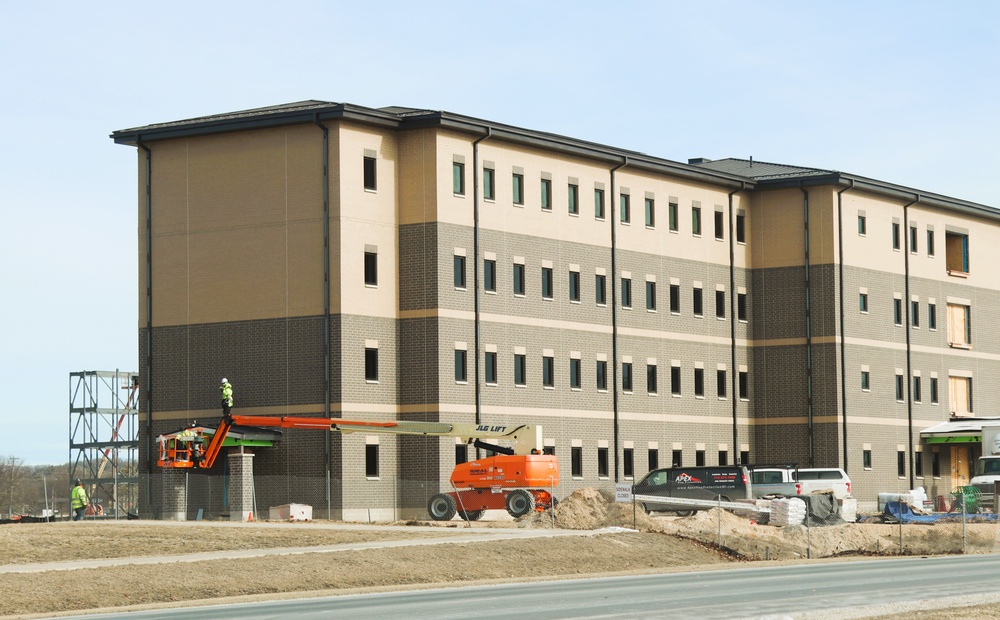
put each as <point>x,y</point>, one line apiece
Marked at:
<point>590,509</point>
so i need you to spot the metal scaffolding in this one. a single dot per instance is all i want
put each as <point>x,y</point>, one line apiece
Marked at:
<point>104,439</point>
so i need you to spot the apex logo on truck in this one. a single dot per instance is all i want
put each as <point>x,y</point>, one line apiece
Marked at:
<point>491,429</point>
<point>686,478</point>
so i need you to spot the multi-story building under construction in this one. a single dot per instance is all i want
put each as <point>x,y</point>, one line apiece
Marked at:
<point>336,260</point>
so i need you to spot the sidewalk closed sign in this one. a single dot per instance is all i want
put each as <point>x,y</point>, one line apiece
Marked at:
<point>623,492</point>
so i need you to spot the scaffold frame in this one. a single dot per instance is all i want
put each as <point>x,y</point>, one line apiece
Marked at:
<point>104,440</point>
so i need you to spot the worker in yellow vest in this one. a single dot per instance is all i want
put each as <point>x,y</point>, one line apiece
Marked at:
<point>79,503</point>
<point>227,396</point>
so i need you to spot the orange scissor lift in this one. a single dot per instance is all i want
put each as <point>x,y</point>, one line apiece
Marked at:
<point>519,478</point>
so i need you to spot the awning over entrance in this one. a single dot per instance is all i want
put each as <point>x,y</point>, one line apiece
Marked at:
<point>958,430</point>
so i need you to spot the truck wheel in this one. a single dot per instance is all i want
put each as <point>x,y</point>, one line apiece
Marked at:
<point>441,507</point>
<point>685,513</point>
<point>471,515</point>
<point>520,502</point>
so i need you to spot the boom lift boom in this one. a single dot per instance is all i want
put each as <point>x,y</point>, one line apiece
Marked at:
<point>503,481</point>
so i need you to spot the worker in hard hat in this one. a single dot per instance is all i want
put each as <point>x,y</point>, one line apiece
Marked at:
<point>227,396</point>
<point>79,503</point>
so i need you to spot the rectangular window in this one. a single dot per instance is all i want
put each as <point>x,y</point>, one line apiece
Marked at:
<point>698,303</point>
<point>918,464</point>
<point>720,383</point>
<point>744,381</point>
<point>741,228</point>
<point>602,375</point>
<point>371,460</point>
<point>550,450</point>
<point>628,466</point>
<point>866,381</point>
<point>370,177</point>
<point>574,286</point>
<point>915,314</point>
<point>576,461</point>
<point>490,364</point>
<point>675,380</point>
<point>371,364</point>
<point>900,463</point>
<point>626,292</point>
<point>651,378</point>
<point>459,277</point>
<point>489,184</point>
<point>519,284</point>
<point>602,462</point>
<point>696,221</point>
<point>517,185</point>
<point>956,249</point>
<point>936,464</point>
<point>458,178</point>
<point>960,392</point>
<point>863,302</point>
<point>862,225</point>
<point>490,275</point>
<point>720,231</point>
<point>575,380</point>
<point>699,382</point>
<point>672,219</point>
<point>913,239</point>
<point>900,389</point>
<point>720,304</point>
<point>626,376</point>
<point>699,458</point>
<point>959,325</point>
<point>675,299</point>
<point>546,283</point>
<point>677,458</point>
<point>653,459</point>
<point>461,370</point>
<point>461,453</point>
<point>916,389</point>
<point>651,296</point>
<point>650,213</point>
<point>625,208</point>
<point>866,459</point>
<point>930,242</point>
<point>520,369</point>
<point>741,306</point>
<point>548,371</point>
<point>573,200</point>
<point>744,456</point>
<point>371,269</point>
<point>723,457</point>
<point>931,316</point>
<point>600,289</point>
<point>934,390</point>
<point>897,311</point>
<point>895,236</point>
<point>546,194</point>
<point>599,204</point>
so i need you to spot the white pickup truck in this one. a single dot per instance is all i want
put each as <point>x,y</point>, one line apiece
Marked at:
<point>789,481</point>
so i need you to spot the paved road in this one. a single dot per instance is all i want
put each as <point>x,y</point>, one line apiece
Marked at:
<point>820,590</point>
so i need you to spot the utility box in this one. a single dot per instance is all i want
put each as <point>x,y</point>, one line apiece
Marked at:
<point>290,512</point>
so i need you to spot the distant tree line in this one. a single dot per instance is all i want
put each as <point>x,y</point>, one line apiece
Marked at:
<point>30,489</point>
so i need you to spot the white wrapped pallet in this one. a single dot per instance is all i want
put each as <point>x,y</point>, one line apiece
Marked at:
<point>788,511</point>
<point>849,509</point>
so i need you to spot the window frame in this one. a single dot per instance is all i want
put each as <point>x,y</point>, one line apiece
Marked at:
<point>371,365</point>
<point>371,269</point>
<point>548,283</point>
<point>461,366</point>
<point>489,184</point>
<point>573,199</point>
<point>517,189</point>
<point>627,377</point>
<point>458,178</point>
<point>490,275</point>
<point>370,174</point>
<point>458,277</point>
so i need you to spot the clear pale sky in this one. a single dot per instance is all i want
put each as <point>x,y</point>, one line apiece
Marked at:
<point>902,92</point>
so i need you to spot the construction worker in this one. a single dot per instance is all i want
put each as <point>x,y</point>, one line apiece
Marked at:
<point>227,396</point>
<point>79,503</point>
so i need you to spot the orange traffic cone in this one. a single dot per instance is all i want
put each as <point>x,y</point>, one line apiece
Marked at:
<point>250,517</point>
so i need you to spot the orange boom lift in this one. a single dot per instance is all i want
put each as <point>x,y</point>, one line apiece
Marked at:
<point>515,479</point>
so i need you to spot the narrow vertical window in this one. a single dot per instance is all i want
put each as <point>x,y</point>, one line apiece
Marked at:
<point>626,215</point>
<point>651,296</point>
<point>675,380</point>
<point>901,463</point>
<point>519,284</point>
<point>720,383</point>
<point>866,459</point>
<point>653,459</point>
<point>626,376</point>
<point>672,219</point>
<point>369,173</point>
<point>602,462</point>
<point>900,388</point>
<point>918,464</point>
<point>895,236</point>
<point>490,363</point>
<point>897,311</point>
<point>599,204</point>
<point>936,464</point>
<point>650,213</point>
<point>934,390</point>
<point>600,289</point>
<point>461,453</point>
<point>518,189</point>
<point>931,316</point>
<point>628,467</point>
<point>458,178</point>
<point>651,378</point>
<point>548,371</point>
<point>917,395</point>
<point>575,380</point>
<point>489,184</point>
<point>862,225</point>
<point>913,239</point>
<point>741,306</point>
<point>915,314</point>
<point>573,199</point>
<point>626,292</point>
<point>675,299</point>
<point>371,269</point>
<point>744,381</point>
<point>741,228</point>
<point>698,304</point>
<point>720,230</point>
<point>574,286</point>
<point>696,221</point>
<point>546,194</point>
<point>461,370</point>
<point>723,457</point>
<point>866,382</point>
<point>930,242</point>
<point>371,364</point>
<point>677,458</point>
<point>720,304</point>
<point>863,302</point>
<point>601,373</point>
<point>459,277</point>
<point>546,283</point>
<point>371,460</point>
<point>699,382</point>
<point>576,461</point>
<point>490,275</point>
<point>520,369</point>
<point>699,458</point>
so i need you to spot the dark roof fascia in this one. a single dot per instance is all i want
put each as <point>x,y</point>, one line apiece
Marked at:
<point>888,190</point>
<point>216,125</point>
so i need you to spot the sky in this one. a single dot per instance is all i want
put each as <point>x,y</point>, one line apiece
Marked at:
<point>902,92</point>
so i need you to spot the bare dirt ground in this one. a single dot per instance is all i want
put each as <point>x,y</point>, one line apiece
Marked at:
<point>659,545</point>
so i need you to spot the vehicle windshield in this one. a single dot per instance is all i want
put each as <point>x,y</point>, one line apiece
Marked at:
<point>988,467</point>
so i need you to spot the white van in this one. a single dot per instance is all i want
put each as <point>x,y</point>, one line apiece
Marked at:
<point>825,479</point>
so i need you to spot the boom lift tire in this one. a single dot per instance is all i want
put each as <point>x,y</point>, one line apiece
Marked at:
<point>471,515</point>
<point>520,502</point>
<point>441,507</point>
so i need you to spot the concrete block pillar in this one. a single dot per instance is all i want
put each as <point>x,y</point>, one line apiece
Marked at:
<point>241,491</point>
<point>174,495</point>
